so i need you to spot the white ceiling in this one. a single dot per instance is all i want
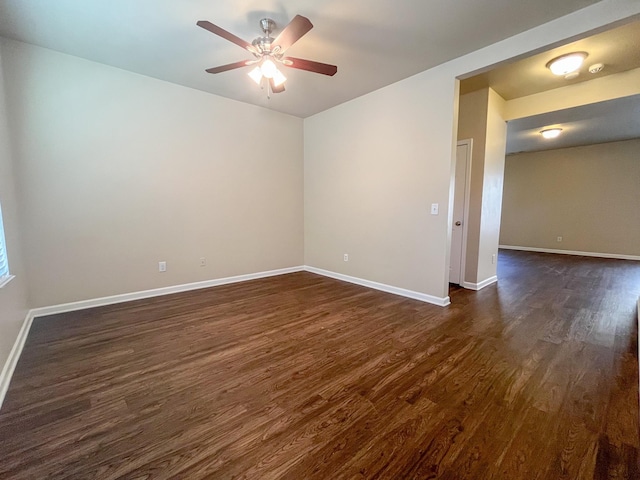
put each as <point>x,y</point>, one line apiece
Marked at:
<point>373,42</point>
<point>602,122</point>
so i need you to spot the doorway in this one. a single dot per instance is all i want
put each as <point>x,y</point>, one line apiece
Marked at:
<point>461,193</point>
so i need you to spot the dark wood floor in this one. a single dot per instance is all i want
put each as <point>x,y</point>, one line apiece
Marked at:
<point>304,377</point>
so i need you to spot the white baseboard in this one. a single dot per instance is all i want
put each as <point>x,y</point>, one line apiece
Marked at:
<point>571,252</point>
<point>14,355</point>
<point>156,292</point>
<point>481,285</point>
<point>440,301</point>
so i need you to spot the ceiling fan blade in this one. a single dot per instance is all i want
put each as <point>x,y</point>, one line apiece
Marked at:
<point>274,88</point>
<point>310,66</point>
<point>293,32</point>
<point>221,32</point>
<point>230,66</point>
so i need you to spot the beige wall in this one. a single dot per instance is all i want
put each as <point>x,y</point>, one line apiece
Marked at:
<point>597,90</point>
<point>588,195</point>
<point>375,164</point>
<point>472,123</point>
<point>118,171</point>
<point>480,118</point>
<point>494,158</point>
<point>372,170</point>
<point>13,296</point>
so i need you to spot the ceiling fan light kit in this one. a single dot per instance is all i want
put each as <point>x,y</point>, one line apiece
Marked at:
<point>269,52</point>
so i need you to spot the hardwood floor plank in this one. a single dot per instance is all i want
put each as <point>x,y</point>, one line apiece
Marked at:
<point>305,377</point>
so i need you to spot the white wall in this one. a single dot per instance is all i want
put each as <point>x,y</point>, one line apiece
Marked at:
<point>117,171</point>
<point>13,296</point>
<point>590,196</point>
<point>375,164</point>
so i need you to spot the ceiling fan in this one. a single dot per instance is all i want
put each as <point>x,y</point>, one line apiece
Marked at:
<point>269,51</point>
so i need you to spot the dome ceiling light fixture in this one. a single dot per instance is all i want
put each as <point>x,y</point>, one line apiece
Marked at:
<point>566,65</point>
<point>551,132</point>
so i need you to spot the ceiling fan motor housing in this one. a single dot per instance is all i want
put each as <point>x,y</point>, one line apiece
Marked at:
<point>264,43</point>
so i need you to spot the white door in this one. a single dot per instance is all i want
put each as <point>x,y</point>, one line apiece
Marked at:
<point>460,205</point>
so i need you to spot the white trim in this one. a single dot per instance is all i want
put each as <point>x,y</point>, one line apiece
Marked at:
<point>127,297</point>
<point>481,285</point>
<point>6,279</point>
<point>571,252</point>
<point>14,355</point>
<point>467,206</point>
<point>156,292</point>
<point>440,301</point>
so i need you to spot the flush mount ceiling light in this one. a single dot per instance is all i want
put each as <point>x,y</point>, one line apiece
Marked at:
<point>550,132</point>
<point>567,64</point>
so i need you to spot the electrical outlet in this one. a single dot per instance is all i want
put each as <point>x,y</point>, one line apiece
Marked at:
<point>203,262</point>
<point>346,257</point>
<point>559,239</point>
<point>162,266</point>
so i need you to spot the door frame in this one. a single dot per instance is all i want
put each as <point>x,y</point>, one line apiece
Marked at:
<point>467,202</point>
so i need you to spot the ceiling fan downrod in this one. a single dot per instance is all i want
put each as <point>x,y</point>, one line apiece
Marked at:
<point>264,45</point>
<point>267,26</point>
